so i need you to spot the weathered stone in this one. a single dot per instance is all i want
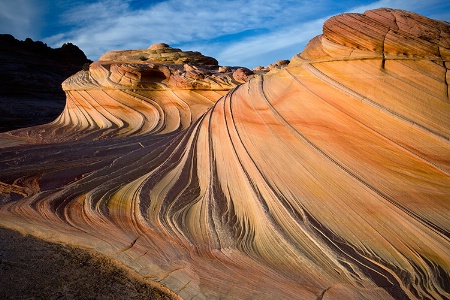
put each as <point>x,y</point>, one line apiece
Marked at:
<point>224,69</point>
<point>158,46</point>
<point>242,75</point>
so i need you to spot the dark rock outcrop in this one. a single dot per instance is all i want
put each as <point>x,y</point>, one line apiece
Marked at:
<point>31,74</point>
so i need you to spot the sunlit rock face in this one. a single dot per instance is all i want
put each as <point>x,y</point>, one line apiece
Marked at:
<point>325,179</point>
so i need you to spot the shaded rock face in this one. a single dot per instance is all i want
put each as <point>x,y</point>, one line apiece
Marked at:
<point>30,80</point>
<point>328,178</point>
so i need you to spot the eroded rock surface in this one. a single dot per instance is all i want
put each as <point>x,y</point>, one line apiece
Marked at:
<point>133,92</point>
<point>325,179</point>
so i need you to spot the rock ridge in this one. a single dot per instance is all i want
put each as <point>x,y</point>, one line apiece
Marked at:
<point>381,33</point>
<point>159,67</point>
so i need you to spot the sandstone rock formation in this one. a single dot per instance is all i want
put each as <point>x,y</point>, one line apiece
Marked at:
<point>133,92</point>
<point>242,75</point>
<point>279,64</point>
<point>326,179</point>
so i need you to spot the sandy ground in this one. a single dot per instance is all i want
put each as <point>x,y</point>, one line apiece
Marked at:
<point>33,269</point>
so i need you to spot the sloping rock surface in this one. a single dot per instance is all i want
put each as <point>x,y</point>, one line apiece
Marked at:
<point>326,179</point>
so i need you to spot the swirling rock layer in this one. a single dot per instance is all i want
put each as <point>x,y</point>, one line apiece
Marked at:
<point>327,179</point>
<point>125,95</point>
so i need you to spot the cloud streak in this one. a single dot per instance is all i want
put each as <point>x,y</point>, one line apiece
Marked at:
<point>250,33</point>
<point>112,24</point>
<point>268,43</point>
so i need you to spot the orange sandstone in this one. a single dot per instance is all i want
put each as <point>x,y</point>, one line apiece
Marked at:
<point>326,179</point>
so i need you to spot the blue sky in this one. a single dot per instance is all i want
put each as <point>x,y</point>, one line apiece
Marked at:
<point>237,33</point>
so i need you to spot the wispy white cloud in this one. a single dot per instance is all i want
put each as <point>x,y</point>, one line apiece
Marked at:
<point>112,24</point>
<point>216,28</point>
<point>286,37</point>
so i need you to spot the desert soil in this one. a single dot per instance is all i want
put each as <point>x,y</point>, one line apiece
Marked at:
<point>34,269</point>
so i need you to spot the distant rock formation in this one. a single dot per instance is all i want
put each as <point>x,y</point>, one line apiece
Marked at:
<point>159,67</point>
<point>279,64</point>
<point>242,75</point>
<point>158,54</point>
<point>327,178</point>
<point>30,80</point>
